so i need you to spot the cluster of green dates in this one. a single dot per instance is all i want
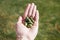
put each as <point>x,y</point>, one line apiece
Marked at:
<point>29,22</point>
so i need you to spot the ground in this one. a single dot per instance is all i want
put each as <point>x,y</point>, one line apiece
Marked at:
<point>49,18</point>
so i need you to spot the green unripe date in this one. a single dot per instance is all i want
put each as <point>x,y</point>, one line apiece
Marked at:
<point>29,22</point>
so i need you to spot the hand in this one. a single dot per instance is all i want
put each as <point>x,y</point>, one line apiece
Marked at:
<point>24,33</point>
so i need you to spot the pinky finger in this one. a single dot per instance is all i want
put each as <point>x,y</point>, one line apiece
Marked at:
<point>36,16</point>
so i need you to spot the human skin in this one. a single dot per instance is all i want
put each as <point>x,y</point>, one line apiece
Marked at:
<point>24,33</point>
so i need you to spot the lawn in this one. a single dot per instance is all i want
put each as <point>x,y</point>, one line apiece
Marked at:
<point>49,18</point>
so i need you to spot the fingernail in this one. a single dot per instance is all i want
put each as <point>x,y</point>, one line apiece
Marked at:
<point>32,3</point>
<point>29,4</point>
<point>35,6</point>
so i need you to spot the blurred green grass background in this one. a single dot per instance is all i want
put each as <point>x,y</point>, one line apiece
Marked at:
<point>49,22</point>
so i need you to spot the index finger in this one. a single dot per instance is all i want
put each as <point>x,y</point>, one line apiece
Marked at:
<point>26,11</point>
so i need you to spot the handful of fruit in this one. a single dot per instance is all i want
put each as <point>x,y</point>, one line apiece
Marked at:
<point>29,22</point>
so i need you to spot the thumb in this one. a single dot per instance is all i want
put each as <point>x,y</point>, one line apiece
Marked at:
<point>20,19</point>
<point>20,25</point>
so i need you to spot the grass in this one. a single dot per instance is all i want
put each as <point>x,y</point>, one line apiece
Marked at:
<point>49,22</point>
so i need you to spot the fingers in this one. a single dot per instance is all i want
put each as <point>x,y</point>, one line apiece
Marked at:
<point>31,9</point>
<point>34,11</point>
<point>27,10</point>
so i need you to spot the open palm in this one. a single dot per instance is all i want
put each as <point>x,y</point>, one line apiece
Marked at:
<point>21,29</point>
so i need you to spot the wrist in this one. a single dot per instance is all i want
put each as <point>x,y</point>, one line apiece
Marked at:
<point>23,38</point>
